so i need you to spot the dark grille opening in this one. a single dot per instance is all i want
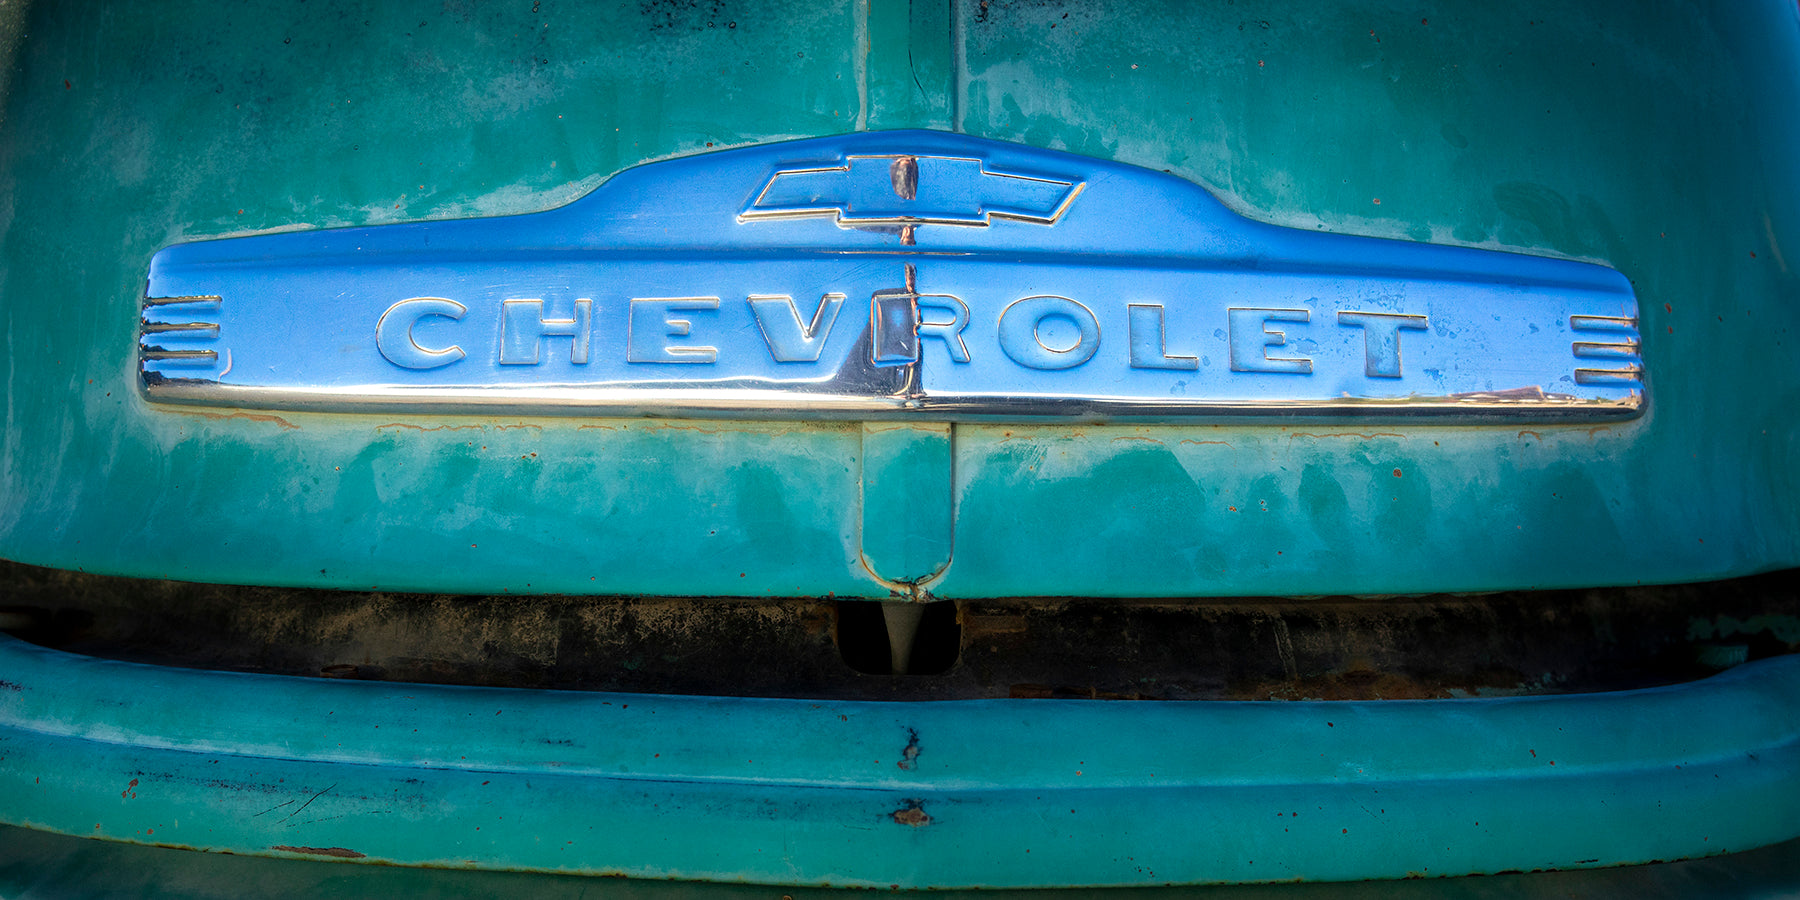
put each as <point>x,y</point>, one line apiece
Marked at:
<point>1325,648</point>
<point>864,639</point>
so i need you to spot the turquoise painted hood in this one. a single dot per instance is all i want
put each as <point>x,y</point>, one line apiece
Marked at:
<point>1661,145</point>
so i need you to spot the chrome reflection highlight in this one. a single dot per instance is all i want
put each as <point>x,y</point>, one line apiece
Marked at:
<point>908,189</point>
<point>864,278</point>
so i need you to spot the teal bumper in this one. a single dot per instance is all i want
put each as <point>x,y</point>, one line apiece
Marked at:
<point>963,794</point>
<point>1661,143</point>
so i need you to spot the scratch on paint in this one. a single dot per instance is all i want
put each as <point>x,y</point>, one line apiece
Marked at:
<point>882,427</point>
<point>303,806</point>
<point>1337,434</point>
<point>254,417</point>
<point>412,427</point>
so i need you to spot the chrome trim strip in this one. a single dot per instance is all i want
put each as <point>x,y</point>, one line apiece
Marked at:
<point>1528,404</point>
<point>160,354</point>
<point>210,329</point>
<point>198,299</point>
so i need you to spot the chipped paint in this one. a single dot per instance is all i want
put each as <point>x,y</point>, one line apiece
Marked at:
<point>335,852</point>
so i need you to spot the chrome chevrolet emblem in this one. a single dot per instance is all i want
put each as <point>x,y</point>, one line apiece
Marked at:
<point>912,189</point>
<point>854,277</point>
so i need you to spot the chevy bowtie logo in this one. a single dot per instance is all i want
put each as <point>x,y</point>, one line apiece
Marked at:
<point>905,190</point>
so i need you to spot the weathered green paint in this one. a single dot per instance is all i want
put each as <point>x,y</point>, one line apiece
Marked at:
<point>906,503</point>
<point>1659,141</point>
<point>910,64</point>
<point>1004,793</point>
<point>181,122</point>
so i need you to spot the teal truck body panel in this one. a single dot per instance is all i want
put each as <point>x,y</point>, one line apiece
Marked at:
<point>1656,144</point>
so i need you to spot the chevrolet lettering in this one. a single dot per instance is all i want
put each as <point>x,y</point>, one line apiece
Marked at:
<point>888,275</point>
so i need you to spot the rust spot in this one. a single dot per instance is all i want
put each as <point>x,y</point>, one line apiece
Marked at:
<point>904,172</point>
<point>339,852</point>
<point>987,624</point>
<point>910,813</point>
<point>128,793</point>
<point>909,758</point>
